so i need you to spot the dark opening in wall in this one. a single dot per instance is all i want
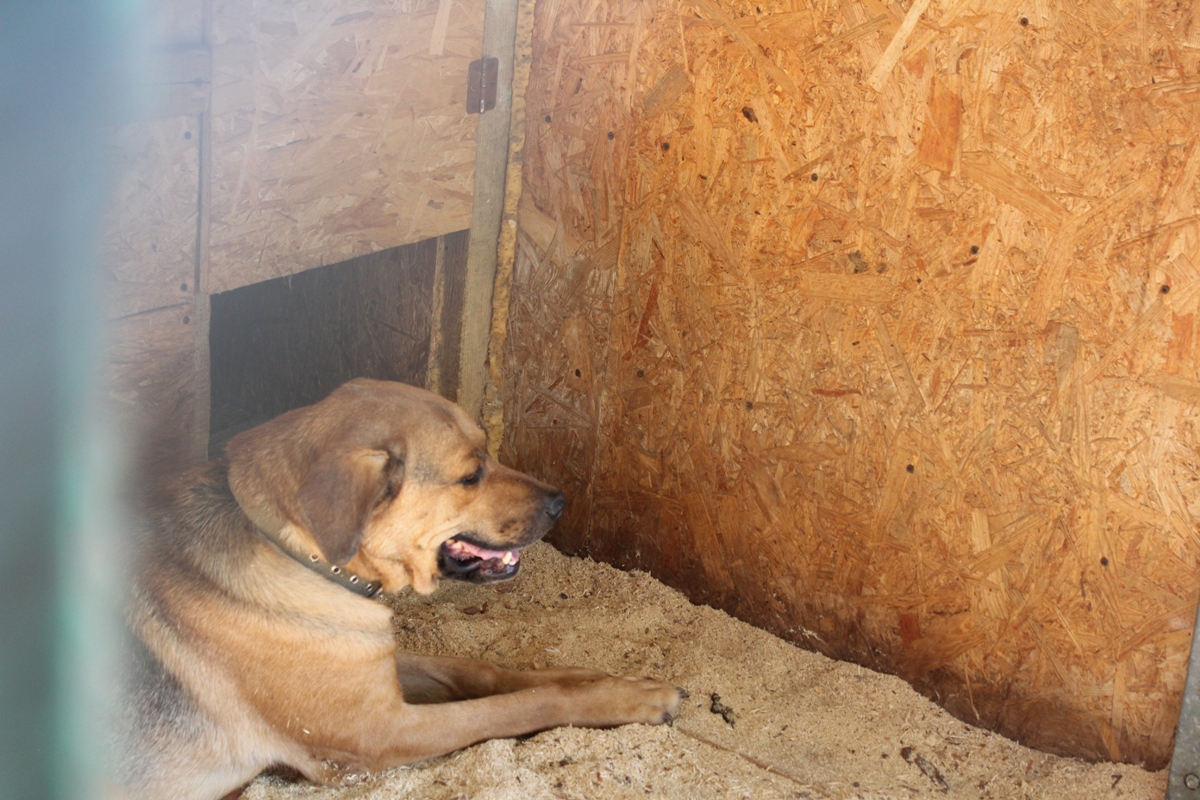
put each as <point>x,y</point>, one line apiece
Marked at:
<point>288,342</point>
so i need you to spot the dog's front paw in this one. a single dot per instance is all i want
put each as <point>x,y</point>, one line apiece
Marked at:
<point>608,702</point>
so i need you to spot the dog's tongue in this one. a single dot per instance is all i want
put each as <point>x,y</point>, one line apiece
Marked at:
<point>461,549</point>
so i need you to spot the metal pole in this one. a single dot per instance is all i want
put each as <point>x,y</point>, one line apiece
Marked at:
<point>1184,780</point>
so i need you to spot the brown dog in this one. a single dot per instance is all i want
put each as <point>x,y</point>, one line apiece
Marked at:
<point>256,643</point>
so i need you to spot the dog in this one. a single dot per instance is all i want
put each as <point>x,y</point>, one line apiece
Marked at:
<point>255,639</point>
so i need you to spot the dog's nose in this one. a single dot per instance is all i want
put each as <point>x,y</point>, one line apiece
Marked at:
<point>555,504</point>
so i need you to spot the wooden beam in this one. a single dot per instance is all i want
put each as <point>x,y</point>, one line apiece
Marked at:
<point>446,326</point>
<point>202,379</point>
<point>491,165</point>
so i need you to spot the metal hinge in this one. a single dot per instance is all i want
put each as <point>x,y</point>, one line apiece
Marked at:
<point>482,77</point>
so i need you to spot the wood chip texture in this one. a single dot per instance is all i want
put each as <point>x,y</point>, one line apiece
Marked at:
<point>874,324</point>
<point>147,246</point>
<point>339,129</point>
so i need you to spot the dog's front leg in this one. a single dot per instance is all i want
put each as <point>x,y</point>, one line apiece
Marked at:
<point>433,679</point>
<point>416,732</point>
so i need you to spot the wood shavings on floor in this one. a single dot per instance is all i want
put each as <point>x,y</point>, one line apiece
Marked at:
<point>786,723</point>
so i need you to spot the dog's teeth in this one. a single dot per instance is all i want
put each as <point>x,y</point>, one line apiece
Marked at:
<point>507,558</point>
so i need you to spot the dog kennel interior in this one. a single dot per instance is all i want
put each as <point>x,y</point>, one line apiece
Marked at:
<point>871,322</point>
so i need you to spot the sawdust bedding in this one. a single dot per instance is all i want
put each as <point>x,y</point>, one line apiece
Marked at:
<point>786,723</point>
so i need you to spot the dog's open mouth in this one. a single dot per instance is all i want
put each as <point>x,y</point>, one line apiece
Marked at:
<point>461,560</point>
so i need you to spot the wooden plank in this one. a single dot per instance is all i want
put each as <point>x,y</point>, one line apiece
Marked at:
<point>491,165</point>
<point>203,305</point>
<point>150,369</point>
<point>153,241</point>
<point>148,245</point>
<point>448,286</point>
<point>148,256</point>
<point>336,131</point>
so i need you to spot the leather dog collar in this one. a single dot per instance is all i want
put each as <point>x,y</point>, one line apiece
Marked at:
<point>339,575</point>
<point>268,526</point>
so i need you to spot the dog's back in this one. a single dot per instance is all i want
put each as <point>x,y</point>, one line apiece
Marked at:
<point>160,725</point>
<point>169,744</point>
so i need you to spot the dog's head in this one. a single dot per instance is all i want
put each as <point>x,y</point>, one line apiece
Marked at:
<point>394,481</point>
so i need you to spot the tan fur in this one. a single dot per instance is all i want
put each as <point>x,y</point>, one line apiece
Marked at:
<point>242,658</point>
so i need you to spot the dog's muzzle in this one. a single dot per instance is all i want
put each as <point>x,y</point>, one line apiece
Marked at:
<point>463,559</point>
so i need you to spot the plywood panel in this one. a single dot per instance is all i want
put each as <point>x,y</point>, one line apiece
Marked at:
<point>874,324</point>
<point>148,264</point>
<point>148,244</point>
<point>152,375</point>
<point>447,314</point>
<point>339,129</point>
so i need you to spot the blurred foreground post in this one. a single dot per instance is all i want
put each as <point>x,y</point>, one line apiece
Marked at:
<point>61,77</point>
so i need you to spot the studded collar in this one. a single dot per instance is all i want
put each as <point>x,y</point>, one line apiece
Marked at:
<point>268,527</point>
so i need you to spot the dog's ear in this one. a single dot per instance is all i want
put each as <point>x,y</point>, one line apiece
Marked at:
<point>339,493</point>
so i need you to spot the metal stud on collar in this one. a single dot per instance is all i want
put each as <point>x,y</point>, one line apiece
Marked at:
<point>339,575</point>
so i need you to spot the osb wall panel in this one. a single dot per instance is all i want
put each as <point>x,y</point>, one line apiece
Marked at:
<point>339,129</point>
<point>874,323</point>
<point>147,254</point>
<point>147,248</point>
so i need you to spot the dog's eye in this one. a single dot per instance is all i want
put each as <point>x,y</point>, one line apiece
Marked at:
<point>474,478</point>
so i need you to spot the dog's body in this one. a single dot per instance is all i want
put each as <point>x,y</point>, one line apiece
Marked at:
<point>254,641</point>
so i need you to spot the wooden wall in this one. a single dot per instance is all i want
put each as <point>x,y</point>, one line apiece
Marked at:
<point>874,323</point>
<point>276,136</point>
<point>339,129</point>
<point>149,246</point>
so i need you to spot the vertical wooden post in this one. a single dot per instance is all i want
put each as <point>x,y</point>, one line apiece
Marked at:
<point>437,338</point>
<point>201,316</point>
<point>491,163</point>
